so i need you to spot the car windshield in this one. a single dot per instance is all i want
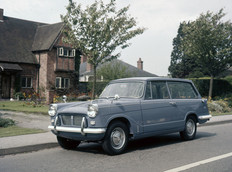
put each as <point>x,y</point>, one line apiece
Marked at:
<point>123,89</point>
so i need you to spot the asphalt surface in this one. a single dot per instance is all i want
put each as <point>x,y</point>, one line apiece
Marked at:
<point>160,153</point>
<point>36,142</point>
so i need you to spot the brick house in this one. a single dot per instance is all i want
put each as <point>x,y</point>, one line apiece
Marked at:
<point>33,58</point>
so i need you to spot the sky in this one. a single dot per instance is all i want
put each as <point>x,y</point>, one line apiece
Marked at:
<point>160,17</point>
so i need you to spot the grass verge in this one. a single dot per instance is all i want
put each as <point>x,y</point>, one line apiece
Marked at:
<point>219,114</point>
<point>15,131</point>
<point>23,106</point>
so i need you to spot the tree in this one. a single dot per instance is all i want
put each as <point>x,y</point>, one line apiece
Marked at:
<point>208,40</point>
<point>113,70</point>
<point>182,65</point>
<point>98,30</point>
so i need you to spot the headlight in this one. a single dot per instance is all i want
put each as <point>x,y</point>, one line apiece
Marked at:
<point>52,109</point>
<point>92,110</point>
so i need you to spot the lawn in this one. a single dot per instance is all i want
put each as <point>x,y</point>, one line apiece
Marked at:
<point>15,131</point>
<point>23,106</point>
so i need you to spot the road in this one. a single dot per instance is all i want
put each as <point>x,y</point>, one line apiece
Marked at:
<point>210,151</point>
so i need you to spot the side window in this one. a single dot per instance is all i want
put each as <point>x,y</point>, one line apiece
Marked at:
<point>182,90</point>
<point>157,90</point>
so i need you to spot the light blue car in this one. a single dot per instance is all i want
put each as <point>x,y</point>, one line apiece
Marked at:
<point>130,108</point>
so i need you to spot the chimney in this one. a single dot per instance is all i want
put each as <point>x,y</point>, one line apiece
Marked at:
<point>83,59</point>
<point>1,14</point>
<point>140,64</point>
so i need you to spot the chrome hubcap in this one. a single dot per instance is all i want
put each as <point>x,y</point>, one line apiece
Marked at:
<point>190,127</point>
<point>118,138</point>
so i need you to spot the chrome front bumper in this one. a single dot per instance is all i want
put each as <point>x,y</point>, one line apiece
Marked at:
<point>81,130</point>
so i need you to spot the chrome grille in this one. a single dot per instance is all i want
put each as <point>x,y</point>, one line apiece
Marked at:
<point>71,119</point>
<point>66,119</point>
<point>77,120</point>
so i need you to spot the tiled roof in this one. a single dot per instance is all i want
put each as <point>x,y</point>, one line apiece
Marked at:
<point>19,38</point>
<point>9,66</point>
<point>46,36</point>
<point>16,39</point>
<point>134,70</point>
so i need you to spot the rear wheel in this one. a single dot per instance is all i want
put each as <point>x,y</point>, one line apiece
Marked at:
<point>67,143</point>
<point>190,129</point>
<point>116,138</point>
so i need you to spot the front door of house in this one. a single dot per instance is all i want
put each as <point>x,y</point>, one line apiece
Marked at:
<point>6,86</point>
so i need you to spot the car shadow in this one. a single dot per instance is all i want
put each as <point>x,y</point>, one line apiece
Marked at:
<point>143,144</point>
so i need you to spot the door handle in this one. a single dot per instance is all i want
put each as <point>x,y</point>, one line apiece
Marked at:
<point>173,103</point>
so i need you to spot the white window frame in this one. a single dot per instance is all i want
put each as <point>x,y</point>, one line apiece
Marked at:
<point>60,83</point>
<point>72,53</point>
<point>61,51</point>
<point>26,80</point>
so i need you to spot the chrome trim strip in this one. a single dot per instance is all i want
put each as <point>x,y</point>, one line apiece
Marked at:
<point>55,123</point>
<point>204,117</point>
<point>83,126</point>
<point>78,130</point>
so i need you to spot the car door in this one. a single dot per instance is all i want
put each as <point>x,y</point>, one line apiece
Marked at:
<point>158,109</point>
<point>186,97</point>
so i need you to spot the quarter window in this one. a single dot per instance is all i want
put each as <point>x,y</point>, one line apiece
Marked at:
<point>182,90</point>
<point>26,82</point>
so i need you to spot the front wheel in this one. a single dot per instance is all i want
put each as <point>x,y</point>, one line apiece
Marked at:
<point>190,129</point>
<point>67,143</point>
<point>116,138</point>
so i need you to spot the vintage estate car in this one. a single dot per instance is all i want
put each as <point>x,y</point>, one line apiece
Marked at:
<point>130,108</point>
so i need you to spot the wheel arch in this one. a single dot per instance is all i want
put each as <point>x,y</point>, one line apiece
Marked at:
<point>192,114</point>
<point>125,121</point>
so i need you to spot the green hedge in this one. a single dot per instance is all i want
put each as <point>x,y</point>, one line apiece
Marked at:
<point>221,87</point>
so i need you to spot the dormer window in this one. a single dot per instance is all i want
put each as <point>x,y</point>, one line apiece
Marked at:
<point>72,53</point>
<point>61,51</point>
<point>66,52</point>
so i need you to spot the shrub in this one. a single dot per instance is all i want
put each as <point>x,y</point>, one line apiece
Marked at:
<point>219,106</point>
<point>5,122</point>
<point>19,96</point>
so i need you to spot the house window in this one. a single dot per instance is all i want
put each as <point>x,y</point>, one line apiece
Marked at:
<point>62,83</point>
<point>26,82</point>
<point>72,53</point>
<point>61,51</point>
<point>66,52</point>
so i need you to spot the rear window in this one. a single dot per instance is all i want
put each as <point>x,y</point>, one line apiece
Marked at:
<point>182,90</point>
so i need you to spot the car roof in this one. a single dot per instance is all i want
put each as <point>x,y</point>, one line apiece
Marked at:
<point>150,79</point>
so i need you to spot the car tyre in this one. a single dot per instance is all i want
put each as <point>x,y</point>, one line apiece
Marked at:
<point>67,143</point>
<point>116,138</point>
<point>190,129</point>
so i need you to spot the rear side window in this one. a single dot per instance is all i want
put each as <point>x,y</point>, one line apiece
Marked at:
<point>182,90</point>
<point>156,90</point>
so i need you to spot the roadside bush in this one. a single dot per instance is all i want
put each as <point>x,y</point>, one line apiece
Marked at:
<point>5,122</point>
<point>219,106</point>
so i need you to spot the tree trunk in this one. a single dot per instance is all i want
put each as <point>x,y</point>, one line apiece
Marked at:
<point>211,87</point>
<point>94,82</point>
